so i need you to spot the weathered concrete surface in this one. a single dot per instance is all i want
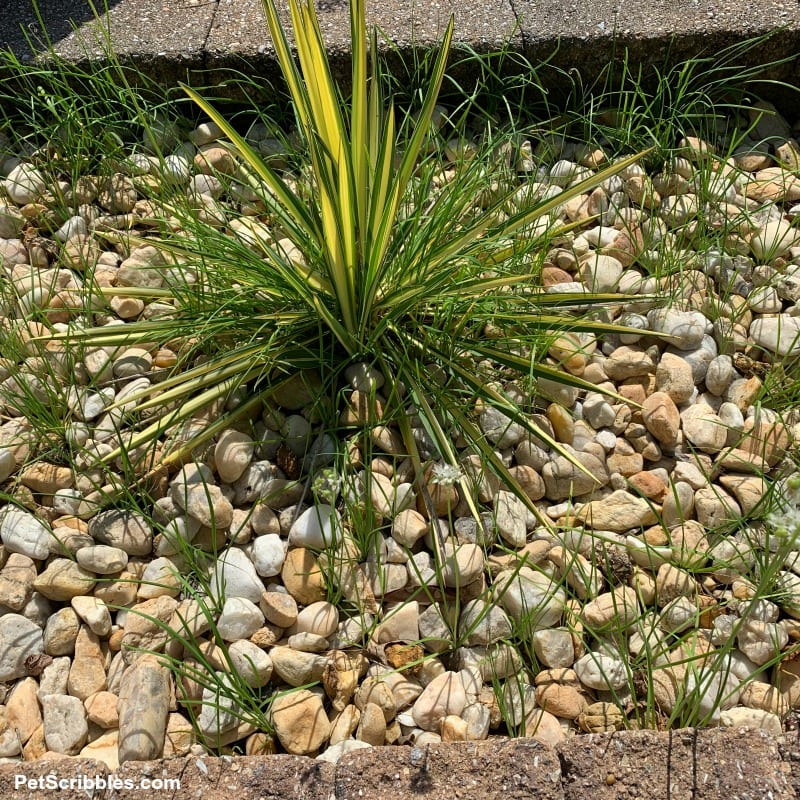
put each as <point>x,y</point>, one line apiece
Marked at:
<point>710,764</point>
<point>490,770</point>
<point>195,40</point>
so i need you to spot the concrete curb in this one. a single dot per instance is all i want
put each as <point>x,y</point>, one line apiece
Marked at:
<point>215,35</point>
<point>708,764</point>
<point>212,36</point>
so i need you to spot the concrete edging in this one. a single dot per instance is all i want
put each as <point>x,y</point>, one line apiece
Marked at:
<point>690,764</point>
<point>217,35</point>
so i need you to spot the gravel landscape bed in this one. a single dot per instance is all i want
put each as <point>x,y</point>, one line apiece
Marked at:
<point>658,585</point>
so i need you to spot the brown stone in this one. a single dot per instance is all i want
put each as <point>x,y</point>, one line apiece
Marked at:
<point>87,673</point>
<point>44,478</point>
<point>648,485</point>
<point>302,576</point>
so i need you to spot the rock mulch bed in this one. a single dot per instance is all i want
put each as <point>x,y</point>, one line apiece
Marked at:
<point>645,578</point>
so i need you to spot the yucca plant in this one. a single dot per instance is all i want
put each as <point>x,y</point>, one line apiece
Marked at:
<point>367,257</point>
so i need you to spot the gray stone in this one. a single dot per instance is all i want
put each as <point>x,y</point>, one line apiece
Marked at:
<point>483,623</point>
<point>66,729</point>
<point>19,639</point>
<point>686,328</point>
<point>21,532</point>
<point>234,575</point>
<point>143,709</point>
<point>240,618</point>
<point>779,334</point>
<point>126,530</point>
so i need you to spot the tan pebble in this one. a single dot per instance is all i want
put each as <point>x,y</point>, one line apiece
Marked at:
<point>302,576</point>
<point>63,579</point>
<point>625,460</point>
<point>560,700</point>
<point>127,307</point>
<point>23,713</point>
<point>36,746</point>
<point>634,390</point>
<point>562,422</point>
<point>45,478</point>
<point>749,490</point>
<point>661,417</point>
<point>267,636</point>
<point>300,722</point>
<point>87,674</point>
<point>101,709</point>
<point>689,545</point>
<point>372,726</point>
<point>260,744</point>
<point>179,737</point>
<point>552,276</point>
<point>454,729</point>
<point>765,439</point>
<point>648,485</point>
<point>673,582</point>
<point>601,717</point>
<point>344,724</point>
<point>619,607</point>
<point>764,696</point>
<point>279,608</point>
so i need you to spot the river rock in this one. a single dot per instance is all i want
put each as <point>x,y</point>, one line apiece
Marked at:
<point>296,667</point>
<point>302,576</point>
<point>554,647</point>
<point>703,428</point>
<point>279,608</point>
<point>662,418</point>
<point>126,530</point>
<point>102,559</point>
<point>510,517</point>
<point>234,575</point>
<point>63,579</point>
<point>23,533</point>
<point>620,511</point>
<point>619,607</point>
<point>240,618</point>
<point>19,639</point>
<point>779,334</point>
<point>674,377</point>
<point>628,361</point>
<point>443,696</point>
<point>23,713</point>
<point>232,454</point>
<point>145,626</point>
<point>24,184</point>
<point>65,726</point>
<point>603,672</point>
<point>143,707</point>
<point>300,721</point>
<point>316,527</point>
<point>87,673</point>
<point>101,709</point>
<point>530,597</point>
<point>686,329</point>
<point>773,239</point>
<point>251,663</point>
<point>268,553</point>
<point>483,623</point>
